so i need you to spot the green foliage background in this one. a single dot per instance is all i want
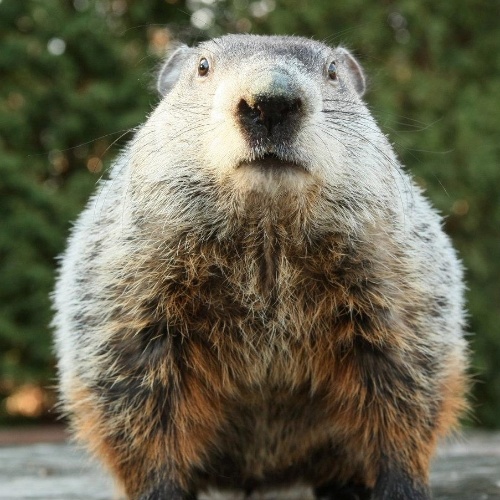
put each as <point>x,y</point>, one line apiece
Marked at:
<point>75,76</point>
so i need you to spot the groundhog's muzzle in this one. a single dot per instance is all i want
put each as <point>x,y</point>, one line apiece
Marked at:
<point>271,109</point>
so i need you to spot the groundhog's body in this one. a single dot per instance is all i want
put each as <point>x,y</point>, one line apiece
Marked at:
<point>259,295</point>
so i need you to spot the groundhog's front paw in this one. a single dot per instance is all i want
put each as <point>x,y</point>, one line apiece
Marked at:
<point>395,484</point>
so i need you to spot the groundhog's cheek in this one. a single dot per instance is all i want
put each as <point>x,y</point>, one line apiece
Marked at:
<point>324,160</point>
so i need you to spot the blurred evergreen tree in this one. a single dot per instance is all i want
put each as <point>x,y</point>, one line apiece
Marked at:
<point>76,76</point>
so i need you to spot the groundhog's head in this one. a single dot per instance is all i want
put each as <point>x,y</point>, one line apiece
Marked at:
<point>262,117</point>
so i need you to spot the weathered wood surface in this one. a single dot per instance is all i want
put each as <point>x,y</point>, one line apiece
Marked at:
<point>465,469</point>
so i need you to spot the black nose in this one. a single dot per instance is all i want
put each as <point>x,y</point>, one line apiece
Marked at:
<point>269,113</point>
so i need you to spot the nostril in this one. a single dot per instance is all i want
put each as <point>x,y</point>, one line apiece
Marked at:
<point>247,112</point>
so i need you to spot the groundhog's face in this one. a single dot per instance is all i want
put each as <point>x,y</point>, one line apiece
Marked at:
<point>264,115</point>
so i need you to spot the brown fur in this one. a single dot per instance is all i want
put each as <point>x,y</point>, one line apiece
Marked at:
<point>224,350</point>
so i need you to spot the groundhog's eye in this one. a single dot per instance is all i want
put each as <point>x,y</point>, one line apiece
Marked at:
<point>203,67</point>
<point>332,71</point>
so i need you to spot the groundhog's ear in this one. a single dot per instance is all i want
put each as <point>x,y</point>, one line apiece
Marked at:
<point>356,73</point>
<point>171,69</point>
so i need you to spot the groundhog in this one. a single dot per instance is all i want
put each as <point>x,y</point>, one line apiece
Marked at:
<point>259,295</point>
